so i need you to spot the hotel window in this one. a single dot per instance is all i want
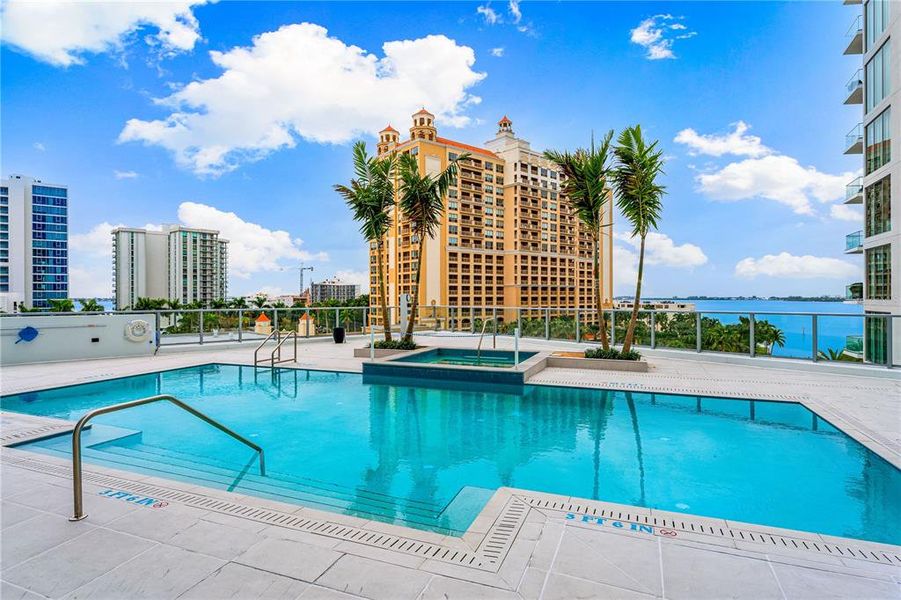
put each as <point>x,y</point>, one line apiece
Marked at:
<point>452,156</point>
<point>878,141</point>
<point>878,207</point>
<point>452,241</point>
<point>879,75</point>
<point>879,273</point>
<point>876,14</point>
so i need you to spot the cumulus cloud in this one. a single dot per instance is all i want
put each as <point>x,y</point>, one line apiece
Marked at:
<point>736,142</point>
<point>788,266</point>
<point>657,35</point>
<point>252,248</point>
<point>297,82</point>
<point>660,250</point>
<point>776,177</point>
<point>844,212</point>
<point>61,32</point>
<point>489,14</point>
<point>125,174</point>
<point>498,52</point>
<point>360,278</point>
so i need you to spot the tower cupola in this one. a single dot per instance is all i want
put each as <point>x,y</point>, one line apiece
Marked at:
<point>423,126</point>
<point>505,125</point>
<point>388,138</point>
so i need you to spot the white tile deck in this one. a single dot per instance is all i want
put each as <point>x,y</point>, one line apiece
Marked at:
<point>198,548</point>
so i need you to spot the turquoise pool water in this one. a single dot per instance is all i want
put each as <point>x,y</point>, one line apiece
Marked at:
<point>458,356</point>
<point>430,456</point>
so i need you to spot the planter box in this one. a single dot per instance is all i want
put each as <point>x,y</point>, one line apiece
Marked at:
<point>605,364</point>
<point>379,352</point>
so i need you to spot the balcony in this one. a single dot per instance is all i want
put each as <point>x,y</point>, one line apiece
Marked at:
<point>854,88</point>
<point>854,191</point>
<point>855,37</point>
<point>854,243</point>
<point>854,140</point>
<point>854,291</point>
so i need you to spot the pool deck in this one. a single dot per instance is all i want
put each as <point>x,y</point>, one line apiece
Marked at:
<point>198,542</point>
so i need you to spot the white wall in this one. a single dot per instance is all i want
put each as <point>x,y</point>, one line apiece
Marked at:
<point>69,337</point>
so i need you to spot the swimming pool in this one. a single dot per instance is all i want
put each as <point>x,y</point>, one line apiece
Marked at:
<point>471,358</point>
<point>430,456</point>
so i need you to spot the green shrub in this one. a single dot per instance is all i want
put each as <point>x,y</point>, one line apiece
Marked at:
<point>612,354</point>
<point>400,344</point>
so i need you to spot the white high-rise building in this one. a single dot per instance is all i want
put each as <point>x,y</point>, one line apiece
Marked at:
<point>190,265</point>
<point>876,34</point>
<point>34,243</point>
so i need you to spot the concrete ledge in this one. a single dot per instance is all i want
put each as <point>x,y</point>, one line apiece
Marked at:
<point>571,362</point>
<point>379,352</point>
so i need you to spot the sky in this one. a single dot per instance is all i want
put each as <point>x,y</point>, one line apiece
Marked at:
<point>240,116</point>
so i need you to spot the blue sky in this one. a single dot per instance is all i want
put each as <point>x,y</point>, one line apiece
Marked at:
<point>240,116</point>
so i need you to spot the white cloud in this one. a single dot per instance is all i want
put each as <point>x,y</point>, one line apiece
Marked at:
<point>97,242</point>
<point>655,34</point>
<point>785,265</point>
<point>125,174</point>
<point>90,281</point>
<point>360,278</point>
<point>61,32</point>
<point>39,146</point>
<point>776,177</point>
<point>498,52</point>
<point>736,142</point>
<point>252,248</point>
<point>515,12</point>
<point>266,97</point>
<point>844,212</point>
<point>489,14</point>
<point>661,250</point>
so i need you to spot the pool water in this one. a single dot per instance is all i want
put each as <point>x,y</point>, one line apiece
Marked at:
<point>430,456</point>
<point>456,356</point>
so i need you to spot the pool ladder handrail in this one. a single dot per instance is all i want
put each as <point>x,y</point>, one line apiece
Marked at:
<point>77,488</point>
<point>278,348</point>
<point>481,336</point>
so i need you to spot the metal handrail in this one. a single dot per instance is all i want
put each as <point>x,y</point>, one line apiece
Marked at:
<point>77,489</point>
<point>275,332</point>
<point>278,349</point>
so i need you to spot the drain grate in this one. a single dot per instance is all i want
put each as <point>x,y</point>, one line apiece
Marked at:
<point>30,435</point>
<point>859,552</point>
<point>488,557</point>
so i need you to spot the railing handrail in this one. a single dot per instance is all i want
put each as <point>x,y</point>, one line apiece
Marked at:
<point>278,348</point>
<point>77,488</point>
<point>263,343</point>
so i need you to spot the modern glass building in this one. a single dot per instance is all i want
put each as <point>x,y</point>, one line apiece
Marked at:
<point>34,243</point>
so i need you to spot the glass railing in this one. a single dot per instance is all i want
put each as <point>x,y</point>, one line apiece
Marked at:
<point>856,28</point>
<point>853,241</point>
<point>854,291</point>
<point>853,137</point>
<point>855,83</point>
<point>855,188</point>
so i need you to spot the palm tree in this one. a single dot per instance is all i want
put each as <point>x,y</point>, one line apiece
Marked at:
<point>585,175</point>
<point>422,202</point>
<point>238,302</point>
<point>61,305</point>
<point>260,301</point>
<point>90,305</point>
<point>173,303</point>
<point>639,197</point>
<point>370,197</point>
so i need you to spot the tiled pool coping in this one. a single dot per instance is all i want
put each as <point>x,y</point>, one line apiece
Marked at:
<point>396,366</point>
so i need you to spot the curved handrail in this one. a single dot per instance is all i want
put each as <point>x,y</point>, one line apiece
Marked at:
<point>278,349</point>
<point>79,426</point>
<point>274,332</point>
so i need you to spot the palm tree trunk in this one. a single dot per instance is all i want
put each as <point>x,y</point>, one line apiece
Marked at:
<point>599,299</point>
<point>408,335</point>
<point>627,344</point>
<point>383,290</point>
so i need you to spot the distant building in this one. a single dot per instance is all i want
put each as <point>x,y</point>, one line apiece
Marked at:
<point>670,305</point>
<point>333,289</point>
<point>34,243</point>
<point>190,265</point>
<point>876,36</point>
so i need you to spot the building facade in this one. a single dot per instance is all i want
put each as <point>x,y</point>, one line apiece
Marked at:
<point>333,289</point>
<point>876,36</point>
<point>190,265</point>
<point>508,237</point>
<point>34,243</point>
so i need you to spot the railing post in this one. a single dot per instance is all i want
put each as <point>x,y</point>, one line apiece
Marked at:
<point>371,341</point>
<point>813,337</point>
<point>612,325</point>
<point>472,319</point>
<point>158,326</point>
<point>494,318</point>
<point>337,316</point>
<point>201,326</point>
<point>653,329</point>
<point>578,333</point>
<point>240,325</point>
<point>752,346</point>
<point>306,327</point>
<point>519,319</point>
<point>697,332</point>
<point>889,359</point>
<point>516,346</point>
<point>275,318</point>
<point>547,323</point>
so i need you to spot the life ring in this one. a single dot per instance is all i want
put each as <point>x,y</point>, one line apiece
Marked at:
<point>138,330</point>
